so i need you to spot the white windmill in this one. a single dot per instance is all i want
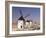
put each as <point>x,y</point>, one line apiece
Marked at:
<point>29,23</point>
<point>21,21</point>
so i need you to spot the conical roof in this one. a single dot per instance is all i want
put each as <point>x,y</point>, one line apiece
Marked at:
<point>21,18</point>
<point>28,20</point>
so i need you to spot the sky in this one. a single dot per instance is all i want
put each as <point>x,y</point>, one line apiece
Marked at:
<point>34,13</point>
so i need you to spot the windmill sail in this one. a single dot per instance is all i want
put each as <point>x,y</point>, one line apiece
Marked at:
<point>27,15</point>
<point>21,18</point>
<point>20,12</point>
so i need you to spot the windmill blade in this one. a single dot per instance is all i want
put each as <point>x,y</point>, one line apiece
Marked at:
<point>20,12</point>
<point>27,15</point>
<point>31,19</point>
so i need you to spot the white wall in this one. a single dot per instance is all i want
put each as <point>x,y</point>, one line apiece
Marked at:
<point>2,19</point>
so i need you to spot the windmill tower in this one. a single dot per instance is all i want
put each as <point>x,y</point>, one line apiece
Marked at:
<point>21,21</point>
<point>27,24</point>
<point>31,24</point>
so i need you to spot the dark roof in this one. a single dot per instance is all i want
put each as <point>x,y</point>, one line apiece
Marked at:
<point>28,20</point>
<point>21,18</point>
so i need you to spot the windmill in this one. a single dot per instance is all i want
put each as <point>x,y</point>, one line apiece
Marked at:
<point>21,20</point>
<point>28,24</point>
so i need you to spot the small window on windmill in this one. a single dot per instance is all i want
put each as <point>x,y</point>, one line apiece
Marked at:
<point>21,26</point>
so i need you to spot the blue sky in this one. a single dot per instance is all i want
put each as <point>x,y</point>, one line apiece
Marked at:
<point>34,13</point>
